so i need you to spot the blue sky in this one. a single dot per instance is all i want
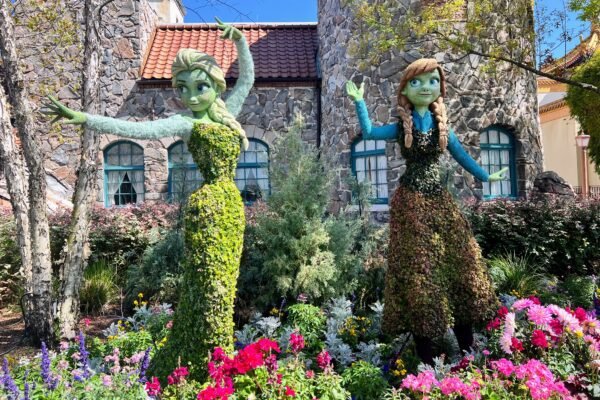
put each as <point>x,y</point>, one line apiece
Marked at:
<point>251,10</point>
<point>306,11</point>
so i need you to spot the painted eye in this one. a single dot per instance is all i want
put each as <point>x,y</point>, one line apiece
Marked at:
<point>202,87</point>
<point>182,89</point>
<point>434,81</point>
<point>415,83</point>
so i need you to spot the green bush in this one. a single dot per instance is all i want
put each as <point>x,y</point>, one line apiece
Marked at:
<point>560,235</point>
<point>308,319</point>
<point>129,343</point>
<point>579,290</point>
<point>364,381</point>
<point>517,276</point>
<point>11,280</point>
<point>159,273</point>
<point>99,288</point>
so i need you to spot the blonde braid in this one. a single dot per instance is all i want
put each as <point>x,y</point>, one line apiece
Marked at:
<point>438,108</point>
<point>405,112</point>
<point>218,112</point>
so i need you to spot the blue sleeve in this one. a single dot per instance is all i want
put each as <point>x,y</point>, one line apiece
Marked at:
<point>368,132</point>
<point>464,159</point>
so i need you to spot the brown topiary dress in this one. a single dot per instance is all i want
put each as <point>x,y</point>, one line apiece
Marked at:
<point>436,276</point>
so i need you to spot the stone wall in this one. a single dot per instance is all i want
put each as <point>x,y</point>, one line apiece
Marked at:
<point>474,101</point>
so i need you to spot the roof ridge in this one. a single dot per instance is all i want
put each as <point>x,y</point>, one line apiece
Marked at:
<point>242,25</point>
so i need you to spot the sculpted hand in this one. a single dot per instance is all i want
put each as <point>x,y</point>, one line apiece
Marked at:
<point>229,32</point>
<point>59,110</point>
<point>498,175</point>
<point>353,92</point>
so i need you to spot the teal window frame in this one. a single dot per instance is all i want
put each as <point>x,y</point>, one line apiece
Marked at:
<point>185,167</point>
<point>123,166</point>
<point>360,154</point>
<point>493,164</point>
<point>247,163</point>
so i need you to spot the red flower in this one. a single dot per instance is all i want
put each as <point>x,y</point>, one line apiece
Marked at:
<point>516,344</point>
<point>290,392</point>
<point>495,324</point>
<point>177,374</point>
<point>215,393</point>
<point>502,312</point>
<point>296,342</point>
<point>218,354</point>
<point>556,327</point>
<point>267,345</point>
<point>580,314</point>
<point>535,300</point>
<point>153,387</point>
<point>538,338</point>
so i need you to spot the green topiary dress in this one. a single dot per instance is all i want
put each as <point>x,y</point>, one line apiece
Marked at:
<point>214,230</point>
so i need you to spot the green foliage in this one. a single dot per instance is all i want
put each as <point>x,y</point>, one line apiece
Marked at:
<point>517,275</point>
<point>290,253</point>
<point>130,343</point>
<point>364,380</point>
<point>579,290</point>
<point>562,236</point>
<point>584,104</point>
<point>308,319</point>
<point>159,273</point>
<point>99,287</point>
<point>213,234</point>
<point>11,279</point>
<point>589,9</point>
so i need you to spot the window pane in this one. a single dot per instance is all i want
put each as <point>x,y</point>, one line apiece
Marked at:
<point>493,136</point>
<point>505,157</point>
<point>484,157</point>
<point>380,144</point>
<point>370,145</point>
<point>483,138</point>
<point>359,146</point>
<point>504,139</point>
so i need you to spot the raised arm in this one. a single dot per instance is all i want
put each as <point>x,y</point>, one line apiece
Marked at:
<point>172,126</point>
<point>466,161</point>
<point>384,132</point>
<point>245,80</point>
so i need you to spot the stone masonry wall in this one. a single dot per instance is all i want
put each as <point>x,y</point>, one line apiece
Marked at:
<point>474,102</point>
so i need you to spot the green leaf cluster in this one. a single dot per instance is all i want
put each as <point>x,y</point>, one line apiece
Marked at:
<point>584,104</point>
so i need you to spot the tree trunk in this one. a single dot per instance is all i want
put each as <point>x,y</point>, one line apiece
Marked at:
<point>86,186</point>
<point>16,182</point>
<point>39,318</point>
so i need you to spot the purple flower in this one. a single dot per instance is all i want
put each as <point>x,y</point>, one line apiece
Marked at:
<point>9,383</point>
<point>84,356</point>
<point>144,366</point>
<point>49,380</point>
<point>26,387</point>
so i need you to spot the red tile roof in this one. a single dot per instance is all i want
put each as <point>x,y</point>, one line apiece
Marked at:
<point>280,51</point>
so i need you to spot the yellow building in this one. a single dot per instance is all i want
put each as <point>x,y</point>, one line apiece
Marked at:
<point>559,128</point>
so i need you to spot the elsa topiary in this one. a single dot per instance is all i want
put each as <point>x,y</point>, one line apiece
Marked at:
<point>214,215</point>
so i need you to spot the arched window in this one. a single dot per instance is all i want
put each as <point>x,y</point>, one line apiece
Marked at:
<point>252,173</point>
<point>123,174</point>
<point>184,176</point>
<point>497,152</point>
<point>369,164</point>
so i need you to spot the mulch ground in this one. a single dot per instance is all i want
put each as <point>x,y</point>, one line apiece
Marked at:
<point>12,330</point>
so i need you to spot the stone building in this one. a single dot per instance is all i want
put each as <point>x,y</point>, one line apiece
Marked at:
<point>300,68</point>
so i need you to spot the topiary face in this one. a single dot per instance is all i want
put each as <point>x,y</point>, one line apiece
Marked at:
<point>423,89</point>
<point>196,89</point>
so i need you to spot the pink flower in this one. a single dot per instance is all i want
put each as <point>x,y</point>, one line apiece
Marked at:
<point>323,359</point>
<point>580,314</point>
<point>310,374</point>
<point>539,315</point>
<point>538,338</point>
<point>169,324</point>
<point>153,387</point>
<point>296,342</point>
<point>452,385</point>
<point>504,366</point>
<point>522,304</point>
<point>86,322</point>
<point>107,380</point>
<point>420,383</point>
<point>494,324</point>
<point>508,332</point>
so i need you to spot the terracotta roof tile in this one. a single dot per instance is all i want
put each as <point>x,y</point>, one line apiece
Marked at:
<point>280,51</point>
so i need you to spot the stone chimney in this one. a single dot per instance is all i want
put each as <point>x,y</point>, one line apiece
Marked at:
<point>168,11</point>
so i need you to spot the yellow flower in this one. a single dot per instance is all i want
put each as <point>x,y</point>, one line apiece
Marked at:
<point>579,334</point>
<point>403,372</point>
<point>274,311</point>
<point>135,303</point>
<point>140,295</point>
